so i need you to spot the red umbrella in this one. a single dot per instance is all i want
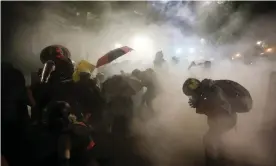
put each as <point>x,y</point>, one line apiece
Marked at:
<point>112,55</point>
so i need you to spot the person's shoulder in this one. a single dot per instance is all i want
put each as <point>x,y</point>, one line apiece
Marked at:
<point>207,82</point>
<point>12,75</point>
<point>226,82</point>
<point>208,86</point>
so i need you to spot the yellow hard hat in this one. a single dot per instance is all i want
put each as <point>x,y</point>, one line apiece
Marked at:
<point>83,67</point>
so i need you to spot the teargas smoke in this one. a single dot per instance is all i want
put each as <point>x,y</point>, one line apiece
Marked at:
<point>173,135</point>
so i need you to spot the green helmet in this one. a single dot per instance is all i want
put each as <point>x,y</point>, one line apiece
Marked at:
<point>190,85</point>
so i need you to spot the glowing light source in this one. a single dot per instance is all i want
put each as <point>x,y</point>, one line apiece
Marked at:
<point>220,2</point>
<point>164,1</point>
<point>141,43</point>
<point>191,50</point>
<point>178,50</point>
<point>259,42</point>
<point>117,45</point>
<point>238,55</point>
<point>207,2</point>
<point>202,41</point>
<point>269,50</point>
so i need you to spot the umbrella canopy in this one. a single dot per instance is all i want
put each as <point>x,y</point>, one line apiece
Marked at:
<point>120,85</point>
<point>112,55</point>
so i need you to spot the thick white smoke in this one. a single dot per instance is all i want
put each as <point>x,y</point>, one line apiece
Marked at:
<point>173,136</point>
<point>177,129</point>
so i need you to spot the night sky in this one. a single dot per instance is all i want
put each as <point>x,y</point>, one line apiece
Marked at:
<point>13,17</point>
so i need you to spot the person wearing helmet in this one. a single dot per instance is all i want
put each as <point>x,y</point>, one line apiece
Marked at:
<point>149,80</point>
<point>83,70</point>
<point>136,73</point>
<point>78,89</point>
<point>60,55</point>
<point>55,77</point>
<point>220,101</point>
<point>190,87</point>
<point>159,59</point>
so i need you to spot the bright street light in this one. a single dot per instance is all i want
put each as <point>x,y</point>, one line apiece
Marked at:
<point>178,50</point>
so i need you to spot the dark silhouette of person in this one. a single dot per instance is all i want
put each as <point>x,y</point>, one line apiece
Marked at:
<point>220,101</point>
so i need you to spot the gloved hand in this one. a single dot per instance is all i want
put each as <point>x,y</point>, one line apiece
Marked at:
<point>193,102</point>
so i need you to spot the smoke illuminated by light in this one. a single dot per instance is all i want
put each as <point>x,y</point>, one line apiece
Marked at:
<point>202,41</point>
<point>220,2</point>
<point>259,42</point>
<point>178,50</point>
<point>207,2</point>
<point>238,55</point>
<point>141,43</point>
<point>269,50</point>
<point>173,119</point>
<point>164,1</point>
<point>192,50</point>
<point>117,45</point>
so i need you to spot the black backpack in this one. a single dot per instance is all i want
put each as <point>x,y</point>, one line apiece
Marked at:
<point>236,95</point>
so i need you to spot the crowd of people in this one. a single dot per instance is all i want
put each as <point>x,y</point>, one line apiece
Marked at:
<point>77,119</point>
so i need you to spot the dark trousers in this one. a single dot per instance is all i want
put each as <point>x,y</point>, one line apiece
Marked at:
<point>218,125</point>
